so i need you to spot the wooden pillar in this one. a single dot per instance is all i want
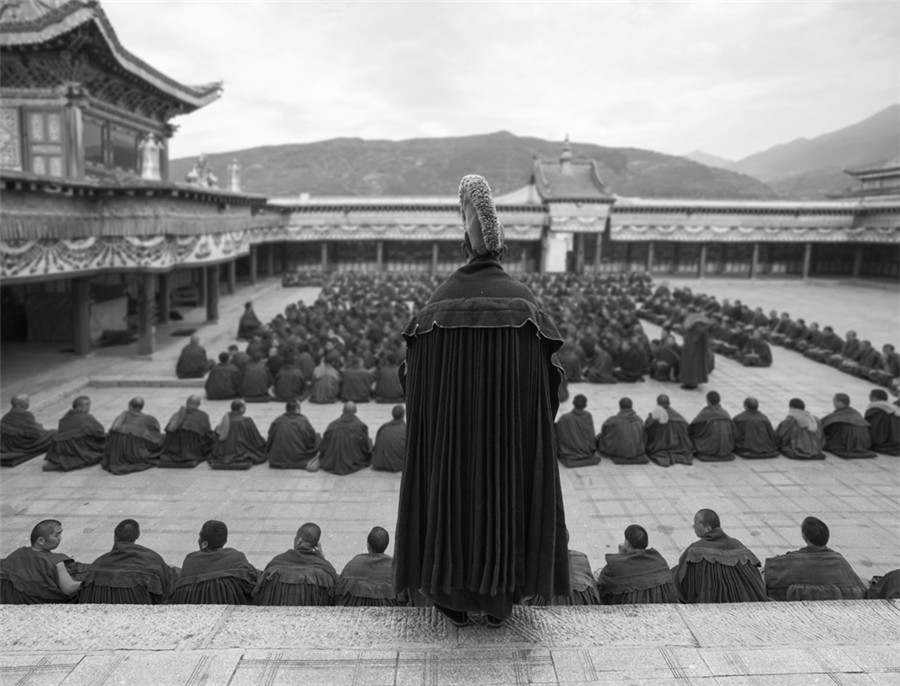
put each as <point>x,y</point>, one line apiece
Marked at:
<point>212,293</point>
<point>650,257</point>
<point>598,253</point>
<point>254,250</point>
<point>435,252</point>
<point>857,261</point>
<point>231,285</point>
<point>807,260</point>
<point>628,247</point>
<point>379,256</point>
<point>270,259</point>
<point>676,257</point>
<point>754,261</point>
<point>165,297</point>
<point>701,267</point>
<point>81,316</point>
<point>723,260</point>
<point>201,285</point>
<point>579,253</point>
<point>146,331</point>
<point>324,256</point>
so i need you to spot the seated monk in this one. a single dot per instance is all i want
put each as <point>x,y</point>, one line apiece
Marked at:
<point>712,432</point>
<point>389,452</point>
<point>884,423</point>
<point>755,352</point>
<point>289,383</point>
<point>636,574</point>
<point>622,436</point>
<point>368,579</point>
<point>846,432</point>
<point>633,362</point>
<point>239,444</point>
<point>850,351</point>
<point>21,437</point>
<point>346,446</point>
<point>800,435</point>
<point>754,437</point>
<point>256,380</point>
<point>717,568</point>
<point>300,576</point>
<point>887,372</point>
<point>356,381</point>
<point>192,362</point>
<point>135,441</point>
<point>829,344</point>
<point>666,433</point>
<point>666,362</point>
<point>224,380</point>
<point>79,440</point>
<point>572,360</point>
<point>35,574</point>
<point>812,573</point>
<point>864,362</point>
<point>575,436</point>
<point>215,575</point>
<point>292,441</point>
<point>326,381</point>
<point>249,324</point>
<point>600,367</point>
<point>885,587</point>
<point>388,388</point>
<point>129,574</point>
<point>189,437</point>
<point>581,582</point>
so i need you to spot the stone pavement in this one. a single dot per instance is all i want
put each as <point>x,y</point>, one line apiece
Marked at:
<point>761,502</point>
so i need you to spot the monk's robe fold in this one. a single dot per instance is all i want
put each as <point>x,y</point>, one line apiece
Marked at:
<point>622,438</point>
<point>215,577</point>
<point>636,577</point>
<point>239,444</point>
<point>346,446</point>
<point>192,362</point>
<point>134,443</point>
<point>668,442</point>
<point>255,382</point>
<point>292,442</point>
<point>22,437</point>
<point>632,366</point>
<point>756,353</point>
<point>599,368</point>
<point>754,437</point>
<point>326,385</point>
<point>367,581</point>
<point>189,439</point>
<point>800,436</point>
<point>481,522</point>
<point>695,363</point>
<point>575,439</point>
<point>129,574</point>
<point>389,453</point>
<point>223,382</point>
<point>387,385</point>
<point>571,363</point>
<point>847,434</point>
<point>884,427</point>
<point>29,577</point>
<point>718,569</point>
<point>356,385</point>
<point>712,432</point>
<point>812,573</point>
<point>79,442</point>
<point>886,587</point>
<point>296,577</point>
<point>289,384</point>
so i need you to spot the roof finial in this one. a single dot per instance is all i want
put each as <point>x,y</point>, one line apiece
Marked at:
<point>565,159</point>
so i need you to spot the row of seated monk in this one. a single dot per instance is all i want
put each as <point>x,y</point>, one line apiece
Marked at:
<point>716,568</point>
<point>135,441</point>
<point>667,438</point>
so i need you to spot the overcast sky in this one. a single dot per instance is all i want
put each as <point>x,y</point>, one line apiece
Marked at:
<point>727,77</point>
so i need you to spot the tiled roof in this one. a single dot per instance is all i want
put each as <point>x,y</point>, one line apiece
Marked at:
<point>892,165</point>
<point>569,179</point>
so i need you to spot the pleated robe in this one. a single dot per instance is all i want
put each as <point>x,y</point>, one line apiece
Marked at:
<point>222,576</point>
<point>719,569</point>
<point>884,428</point>
<point>481,522</point>
<point>636,577</point>
<point>129,574</point>
<point>754,437</point>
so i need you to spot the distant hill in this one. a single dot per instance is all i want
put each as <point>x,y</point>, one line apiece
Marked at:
<point>812,167</point>
<point>710,160</point>
<point>433,166</point>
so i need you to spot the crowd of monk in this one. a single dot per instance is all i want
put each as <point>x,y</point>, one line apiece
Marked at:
<point>716,568</point>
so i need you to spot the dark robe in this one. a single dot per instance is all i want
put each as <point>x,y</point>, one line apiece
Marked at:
<point>215,577</point>
<point>189,439</point>
<point>296,577</point>
<point>885,587</point>
<point>129,574</point>
<point>30,577</point>
<point>346,446</point>
<point>387,385</point>
<point>847,434</point>
<point>712,432</point>
<point>600,368</point>
<point>571,363</point>
<point>636,577</point>
<point>668,441</point>
<point>581,580</point>
<point>367,581</point>
<point>800,436</point>
<point>481,522</point>
<point>289,384</point>
<point>622,438</point>
<point>249,325</point>
<point>632,366</point>
<point>21,437</point>
<point>812,573</point>
<point>192,362</point>
<point>356,385</point>
<point>239,445</point>
<point>389,453</point>
<point>292,442</point>
<point>666,365</point>
<point>79,442</point>
<point>307,365</point>
<point>754,436</point>
<point>575,439</point>
<point>695,351</point>
<point>223,382</point>
<point>134,443</point>
<point>255,383</point>
<point>718,569</point>
<point>884,427</point>
<point>326,385</point>
<point>755,353</point>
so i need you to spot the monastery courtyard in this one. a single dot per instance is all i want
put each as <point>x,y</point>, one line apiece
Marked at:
<point>760,502</point>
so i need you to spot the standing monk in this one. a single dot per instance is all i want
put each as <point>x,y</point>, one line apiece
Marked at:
<point>21,437</point>
<point>695,351</point>
<point>79,440</point>
<point>481,522</point>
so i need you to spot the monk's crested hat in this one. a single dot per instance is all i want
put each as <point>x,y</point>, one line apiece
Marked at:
<point>487,235</point>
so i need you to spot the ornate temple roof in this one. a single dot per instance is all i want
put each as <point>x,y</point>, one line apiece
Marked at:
<point>889,168</point>
<point>75,25</point>
<point>569,179</point>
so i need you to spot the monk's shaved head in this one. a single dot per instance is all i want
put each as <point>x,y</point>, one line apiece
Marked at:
<point>310,532</point>
<point>842,399</point>
<point>708,518</point>
<point>136,404</point>
<point>21,401</point>
<point>398,412</point>
<point>127,531</point>
<point>350,407</point>
<point>751,403</point>
<point>662,400</point>
<point>193,401</point>
<point>43,529</point>
<point>215,533</point>
<point>378,539</point>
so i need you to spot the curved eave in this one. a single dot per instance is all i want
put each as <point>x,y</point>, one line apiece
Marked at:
<point>661,206</point>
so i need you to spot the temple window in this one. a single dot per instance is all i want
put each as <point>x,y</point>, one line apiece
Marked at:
<point>109,146</point>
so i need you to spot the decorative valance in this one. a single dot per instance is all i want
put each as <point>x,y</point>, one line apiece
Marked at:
<point>754,234</point>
